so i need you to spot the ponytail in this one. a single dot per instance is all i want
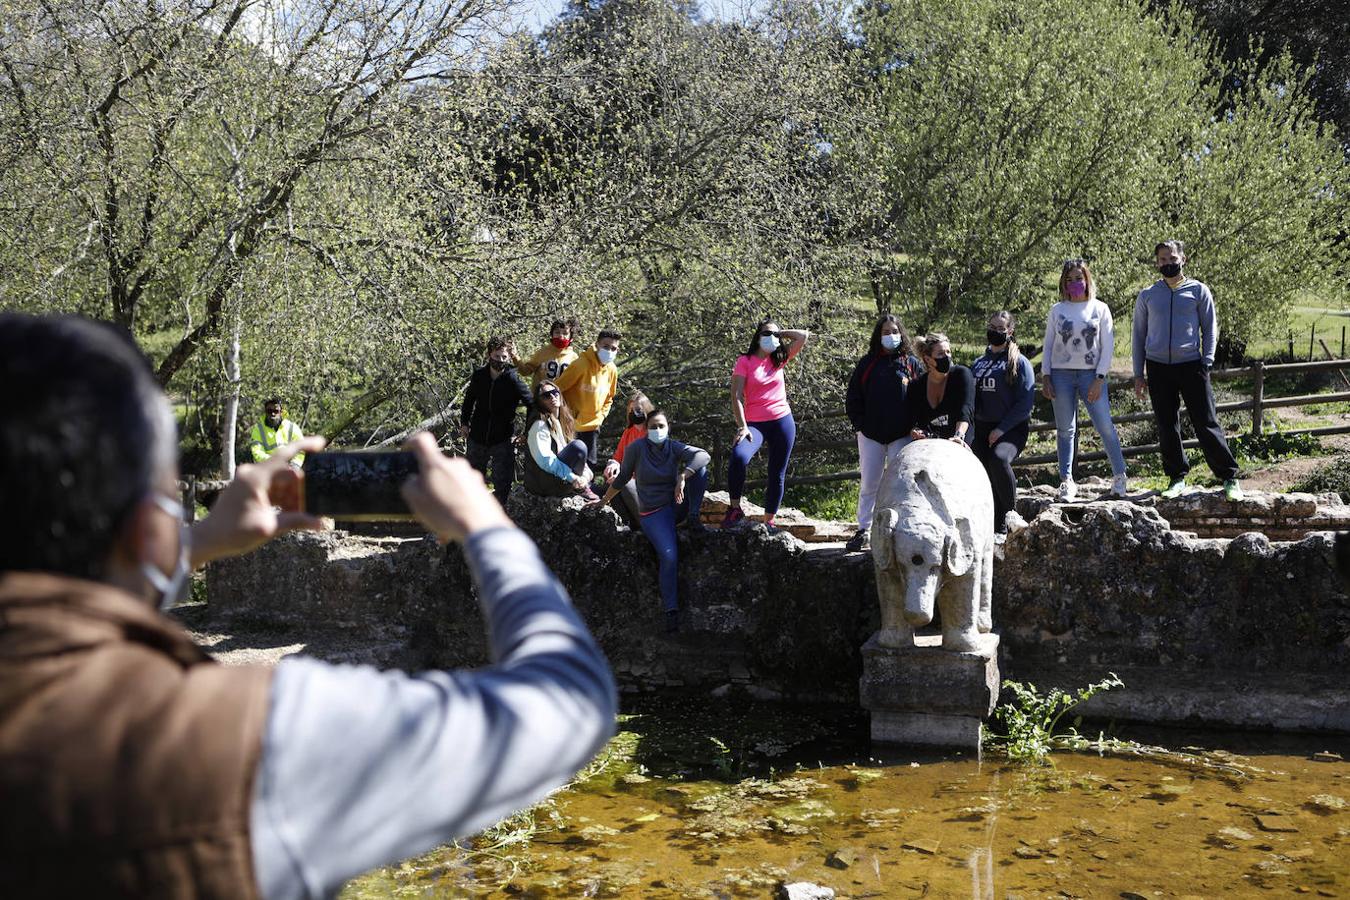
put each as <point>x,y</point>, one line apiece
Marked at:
<point>1014,354</point>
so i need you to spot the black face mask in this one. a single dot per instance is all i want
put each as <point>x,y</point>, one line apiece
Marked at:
<point>636,418</point>
<point>1170,270</point>
<point>496,365</point>
<point>996,338</point>
<point>943,364</point>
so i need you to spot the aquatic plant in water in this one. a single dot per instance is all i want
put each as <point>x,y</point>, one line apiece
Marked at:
<point>1031,721</point>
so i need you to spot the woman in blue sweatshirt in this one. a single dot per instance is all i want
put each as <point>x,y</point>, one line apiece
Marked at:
<point>875,404</point>
<point>1005,389</point>
<point>671,477</point>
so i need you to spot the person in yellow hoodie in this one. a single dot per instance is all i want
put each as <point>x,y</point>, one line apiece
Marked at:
<point>552,359</point>
<point>589,385</point>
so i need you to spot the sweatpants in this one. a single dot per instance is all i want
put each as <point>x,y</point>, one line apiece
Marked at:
<point>1168,385</point>
<point>501,457</point>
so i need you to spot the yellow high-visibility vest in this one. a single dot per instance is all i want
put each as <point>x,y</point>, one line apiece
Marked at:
<point>264,441</point>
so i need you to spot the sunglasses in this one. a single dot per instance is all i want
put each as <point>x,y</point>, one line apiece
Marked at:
<point>1075,263</point>
<point>554,392</point>
<point>768,334</point>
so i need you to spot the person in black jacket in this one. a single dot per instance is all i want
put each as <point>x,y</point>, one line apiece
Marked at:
<point>488,416</point>
<point>942,400</point>
<point>875,404</point>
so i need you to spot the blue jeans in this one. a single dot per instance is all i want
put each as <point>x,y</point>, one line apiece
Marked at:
<point>659,527</point>
<point>1069,385</point>
<point>780,435</point>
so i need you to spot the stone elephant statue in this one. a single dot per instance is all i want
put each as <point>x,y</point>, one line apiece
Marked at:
<point>933,545</point>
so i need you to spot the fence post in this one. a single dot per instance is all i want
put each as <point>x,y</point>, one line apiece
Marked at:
<point>1291,345</point>
<point>1258,396</point>
<point>190,500</point>
<point>1312,338</point>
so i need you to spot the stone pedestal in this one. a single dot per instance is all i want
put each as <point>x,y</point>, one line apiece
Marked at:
<point>926,696</point>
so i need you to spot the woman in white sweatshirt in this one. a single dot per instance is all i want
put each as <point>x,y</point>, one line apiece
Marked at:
<point>1079,338</point>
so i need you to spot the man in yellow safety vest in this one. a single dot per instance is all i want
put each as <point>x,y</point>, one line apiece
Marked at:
<point>272,432</point>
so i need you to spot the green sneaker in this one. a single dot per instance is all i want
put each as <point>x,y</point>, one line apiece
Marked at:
<point>1233,490</point>
<point>1175,489</point>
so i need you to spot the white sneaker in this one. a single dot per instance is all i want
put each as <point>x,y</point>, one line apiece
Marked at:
<point>1120,486</point>
<point>1067,490</point>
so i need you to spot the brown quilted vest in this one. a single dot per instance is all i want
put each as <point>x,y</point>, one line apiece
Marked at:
<point>127,756</point>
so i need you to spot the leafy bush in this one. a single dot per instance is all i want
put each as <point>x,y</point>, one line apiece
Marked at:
<point>1333,476</point>
<point>1275,446</point>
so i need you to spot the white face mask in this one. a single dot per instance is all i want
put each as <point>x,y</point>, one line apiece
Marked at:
<point>768,343</point>
<point>890,341</point>
<point>606,355</point>
<point>658,435</point>
<point>172,588</point>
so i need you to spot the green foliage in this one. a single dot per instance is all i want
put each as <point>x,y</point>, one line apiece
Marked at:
<point>1010,136</point>
<point>1274,446</point>
<point>1031,722</point>
<point>833,501</point>
<point>361,207</point>
<point>1332,476</point>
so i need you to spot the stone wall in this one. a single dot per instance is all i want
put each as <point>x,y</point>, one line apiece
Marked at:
<point>1203,631</point>
<point>1280,517</point>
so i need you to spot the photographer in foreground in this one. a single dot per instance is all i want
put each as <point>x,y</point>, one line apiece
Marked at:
<point>133,765</point>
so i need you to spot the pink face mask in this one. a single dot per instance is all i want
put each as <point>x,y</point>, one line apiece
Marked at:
<point>1076,289</point>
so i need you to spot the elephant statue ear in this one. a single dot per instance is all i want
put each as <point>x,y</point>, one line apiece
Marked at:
<point>883,540</point>
<point>960,550</point>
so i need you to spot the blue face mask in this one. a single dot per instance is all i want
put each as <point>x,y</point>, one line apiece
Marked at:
<point>606,355</point>
<point>658,435</point>
<point>768,342</point>
<point>891,341</point>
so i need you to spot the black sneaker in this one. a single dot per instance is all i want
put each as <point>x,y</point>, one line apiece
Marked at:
<point>672,621</point>
<point>858,542</point>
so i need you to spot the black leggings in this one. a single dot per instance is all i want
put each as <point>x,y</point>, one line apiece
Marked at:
<point>997,461</point>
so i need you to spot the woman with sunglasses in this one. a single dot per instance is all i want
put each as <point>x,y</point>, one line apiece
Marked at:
<point>759,407</point>
<point>556,464</point>
<point>1079,339</point>
<point>671,477</point>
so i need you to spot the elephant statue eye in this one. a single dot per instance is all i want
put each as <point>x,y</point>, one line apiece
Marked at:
<point>918,560</point>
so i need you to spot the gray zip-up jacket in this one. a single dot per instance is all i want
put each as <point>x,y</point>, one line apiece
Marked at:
<point>1174,325</point>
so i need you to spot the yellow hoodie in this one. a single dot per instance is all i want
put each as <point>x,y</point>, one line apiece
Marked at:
<point>589,387</point>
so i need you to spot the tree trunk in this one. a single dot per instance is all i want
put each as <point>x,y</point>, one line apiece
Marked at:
<point>229,420</point>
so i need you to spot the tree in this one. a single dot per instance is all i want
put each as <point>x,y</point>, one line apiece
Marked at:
<point>1011,136</point>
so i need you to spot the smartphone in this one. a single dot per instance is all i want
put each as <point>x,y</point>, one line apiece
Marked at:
<point>357,486</point>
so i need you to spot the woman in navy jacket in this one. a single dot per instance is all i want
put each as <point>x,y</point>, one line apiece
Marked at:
<point>875,404</point>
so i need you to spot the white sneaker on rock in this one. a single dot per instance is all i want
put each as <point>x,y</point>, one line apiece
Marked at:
<point>1067,491</point>
<point>1120,486</point>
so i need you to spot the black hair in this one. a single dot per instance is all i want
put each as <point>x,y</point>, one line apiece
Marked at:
<point>658,412</point>
<point>906,345</point>
<point>608,333</point>
<point>778,356</point>
<point>84,433</point>
<point>271,400</point>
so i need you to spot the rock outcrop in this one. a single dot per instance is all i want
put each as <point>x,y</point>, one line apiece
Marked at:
<point>1202,630</point>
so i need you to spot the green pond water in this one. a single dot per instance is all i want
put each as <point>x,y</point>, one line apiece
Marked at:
<point>708,800</point>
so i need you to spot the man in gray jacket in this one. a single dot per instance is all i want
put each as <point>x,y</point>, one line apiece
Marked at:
<point>1175,332</point>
